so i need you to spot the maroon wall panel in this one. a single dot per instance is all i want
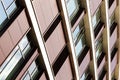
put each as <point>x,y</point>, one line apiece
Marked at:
<point>1,57</point>
<point>15,32</point>
<point>6,43</point>
<point>23,22</point>
<point>55,43</point>
<point>43,77</point>
<point>45,14</point>
<point>65,72</point>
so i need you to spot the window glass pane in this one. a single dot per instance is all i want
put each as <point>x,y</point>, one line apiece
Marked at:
<point>98,45</point>
<point>71,7</point>
<point>7,3</point>
<point>2,14</point>
<point>8,59</point>
<point>11,9</point>
<point>96,18</point>
<point>32,67</point>
<point>112,19</point>
<point>26,50</point>
<point>79,45</point>
<point>76,32</point>
<point>83,77</point>
<point>27,77</point>
<point>10,66</point>
<point>79,29</point>
<point>23,43</point>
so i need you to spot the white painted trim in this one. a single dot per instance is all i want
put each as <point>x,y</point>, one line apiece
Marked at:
<point>68,26</point>
<point>39,38</point>
<point>92,40</point>
<point>108,39</point>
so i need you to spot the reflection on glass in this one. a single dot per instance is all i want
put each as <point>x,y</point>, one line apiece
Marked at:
<point>98,45</point>
<point>72,7</point>
<point>32,72</point>
<point>3,15</point>
<point>96,18</point>
<point>23,43</point>
<point>112,19</point>
<point>76,33</point>
<point>80,44</point>
<point>10,66</point>
<point>26,77</point>
<point>11,9</point>
<point>7,3</point>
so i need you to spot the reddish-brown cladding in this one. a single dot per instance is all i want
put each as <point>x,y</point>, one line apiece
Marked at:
<point>13,34</point>
<point>101,65</point>
<point>45,13</point>
<point>65,72</point>
<point>94,4</point>
<point>114,62</point>
<point>105,77</point>
<point>43,77</point>
<point>113,38</point>
<point>100,32</point>
<point>83,66</point>
<point>34,56</point>
<point>55,43</point>
<point>112,7</point>
<point>2,57</point>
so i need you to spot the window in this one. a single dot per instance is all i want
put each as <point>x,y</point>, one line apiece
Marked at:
<point>31,72</point>
<point>77,30</point>
<point>98,45</point>
<point>112,19</point>
<point>79,37</point>
<point>85,74</point>
<point>7,7</point>
<point>72,7</point>
<point>24,45</point>
<point>80,44</point>
<point>3,15</point>
<point>10,65</point>
<point>96,18</point>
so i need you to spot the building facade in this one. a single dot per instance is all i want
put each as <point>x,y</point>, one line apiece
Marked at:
<point>59,40</point>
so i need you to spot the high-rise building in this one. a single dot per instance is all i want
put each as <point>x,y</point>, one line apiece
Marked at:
<point>59,40</point>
